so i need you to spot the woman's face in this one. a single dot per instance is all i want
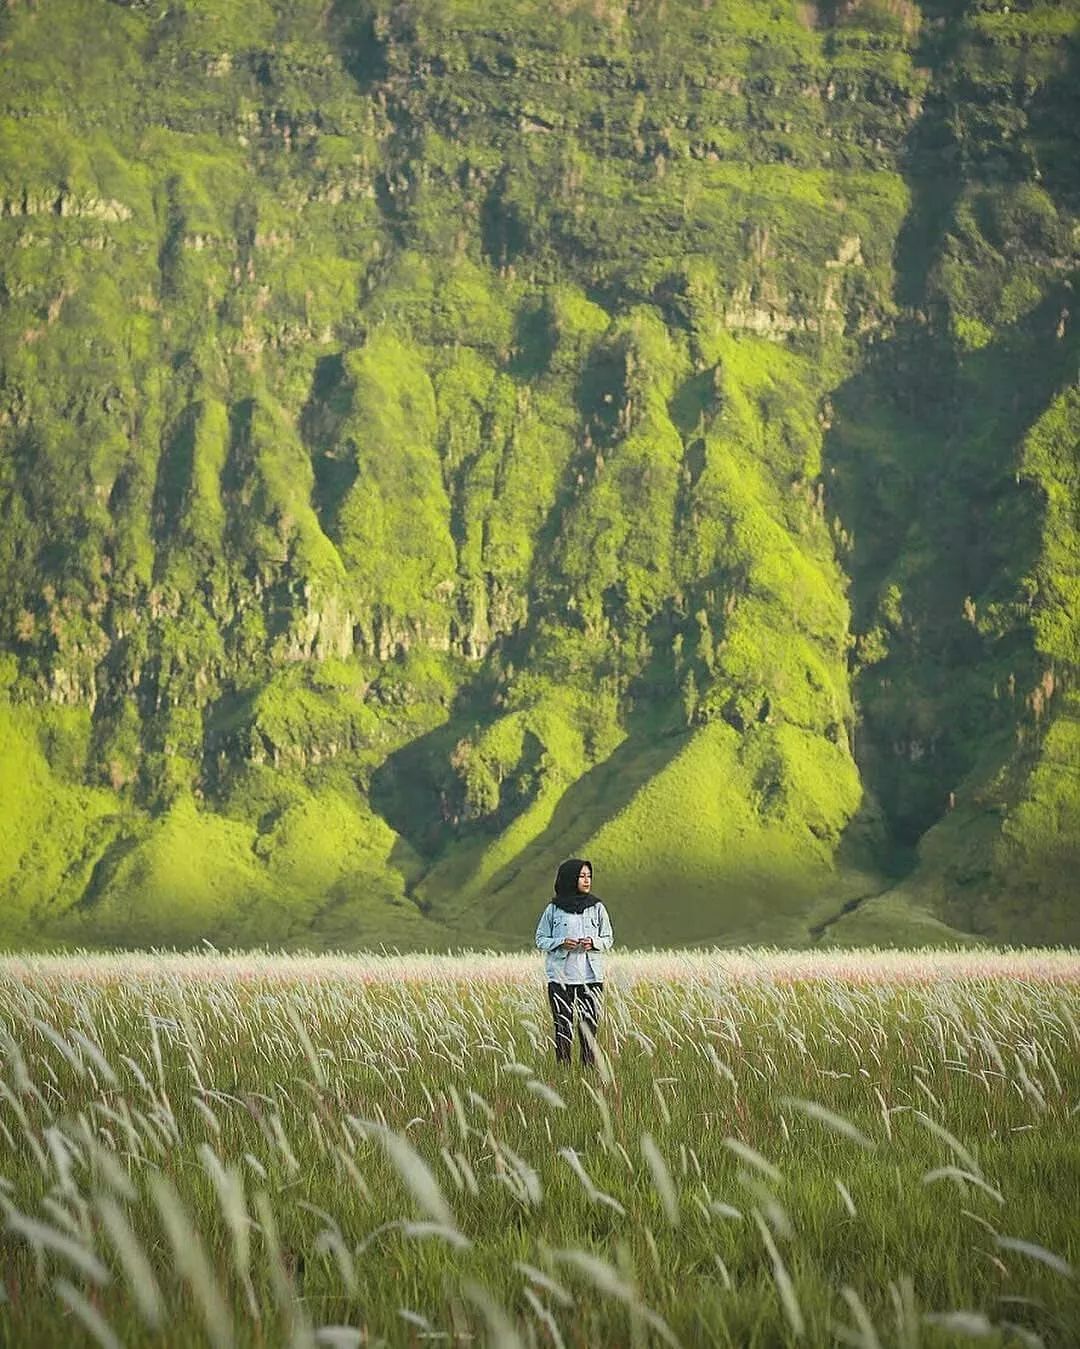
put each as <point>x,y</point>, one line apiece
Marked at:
<point>584,881</point>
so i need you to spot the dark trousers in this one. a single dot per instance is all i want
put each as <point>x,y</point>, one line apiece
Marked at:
<point>562,998</point>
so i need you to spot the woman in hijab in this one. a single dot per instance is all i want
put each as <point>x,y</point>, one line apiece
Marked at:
<point>573,930</point>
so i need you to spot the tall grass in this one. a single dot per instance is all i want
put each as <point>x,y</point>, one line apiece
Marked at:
<point>873,1149</point>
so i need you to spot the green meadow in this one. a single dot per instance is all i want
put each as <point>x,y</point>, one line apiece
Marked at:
<point>773,1149</point>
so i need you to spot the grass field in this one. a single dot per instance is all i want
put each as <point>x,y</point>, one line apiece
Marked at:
<point>877,1149</point>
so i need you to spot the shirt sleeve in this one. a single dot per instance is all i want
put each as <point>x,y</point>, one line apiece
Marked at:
<point>605,938</point>
<point>546,940</point>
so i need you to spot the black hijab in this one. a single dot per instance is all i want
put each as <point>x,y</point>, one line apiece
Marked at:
<point>567,896</point>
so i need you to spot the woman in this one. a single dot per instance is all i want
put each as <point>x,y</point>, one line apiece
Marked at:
<point>573,930</point>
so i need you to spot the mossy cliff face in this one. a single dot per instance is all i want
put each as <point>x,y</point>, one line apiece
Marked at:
<point>436,438</point>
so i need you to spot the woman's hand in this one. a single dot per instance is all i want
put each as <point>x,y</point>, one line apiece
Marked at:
<point>570,944</point>
<point>586,943</point>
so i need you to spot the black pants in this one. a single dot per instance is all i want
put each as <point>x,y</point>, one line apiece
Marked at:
<point>562,998</point>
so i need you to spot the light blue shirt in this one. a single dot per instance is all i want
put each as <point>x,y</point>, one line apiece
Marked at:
<point>574,967</point>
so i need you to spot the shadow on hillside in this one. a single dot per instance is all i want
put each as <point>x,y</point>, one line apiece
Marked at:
<point>414,788</point>
<point>362,50</point>
<point>943,534</point>
<point>334,464</point>
<point>596,797</point>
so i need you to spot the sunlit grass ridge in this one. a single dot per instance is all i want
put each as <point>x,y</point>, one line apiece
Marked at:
<point>856,1147</point>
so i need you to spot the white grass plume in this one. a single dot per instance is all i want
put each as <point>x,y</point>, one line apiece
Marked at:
<point>845,1195</point>
<point>93,1322</point>
<point>330,1242</point>
<point>109,1169</point>
<point>837,1123</point>
<point>782,1278</point>
<point>753,1158</point>
<point>593,1191</point>
<point>607,1279</point>
<point>443,1231</point>
<point>661,1177</point>
<point>902,1294</point>
<point>301,1335</point>
<point>950,1141</point>
<point>318,1068</point>
<point>43,1236</point>
<point>341,1337</point>
<point>138,1272</point>
<point>1035,1252</point>
<point>545,1318</point>
<point>500,1329</point>
<point>546,1093</point>
<point>606,1130</point>
<point>417,1176</point>
<point>97,1057</point>
<point>972,1324</point>
<point>957,1173</point>
<point>868,1336</point>
<point>546,1282</point>
<point>192,1263</point>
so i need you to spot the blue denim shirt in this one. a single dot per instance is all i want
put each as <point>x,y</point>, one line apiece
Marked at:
<point>574,967</point>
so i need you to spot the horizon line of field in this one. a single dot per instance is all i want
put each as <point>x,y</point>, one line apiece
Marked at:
<point>868,965</point>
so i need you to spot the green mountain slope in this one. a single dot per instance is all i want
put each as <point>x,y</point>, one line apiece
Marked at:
<point>437,438</point>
